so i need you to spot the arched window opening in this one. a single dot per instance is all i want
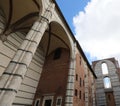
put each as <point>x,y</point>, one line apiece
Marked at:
<point>104,69</point>
<point>107,82</point>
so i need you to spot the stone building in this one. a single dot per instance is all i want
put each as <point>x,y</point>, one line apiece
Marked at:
<point>107,83</point>
<point>41,62</point>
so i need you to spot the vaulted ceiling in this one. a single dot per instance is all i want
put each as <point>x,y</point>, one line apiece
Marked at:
<point>19,14</point>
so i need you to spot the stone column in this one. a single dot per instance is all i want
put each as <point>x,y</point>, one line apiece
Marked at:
<point>71,77</point>
<point>86,85</point>
<point>14,73</point>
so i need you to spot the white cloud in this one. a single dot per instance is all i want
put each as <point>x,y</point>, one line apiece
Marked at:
<point>98,28</point>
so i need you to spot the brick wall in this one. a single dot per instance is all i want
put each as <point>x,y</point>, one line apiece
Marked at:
<point>54,77</point>
<point>79,99</point>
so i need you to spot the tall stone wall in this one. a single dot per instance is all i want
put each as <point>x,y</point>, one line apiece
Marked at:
<point>114,78</point>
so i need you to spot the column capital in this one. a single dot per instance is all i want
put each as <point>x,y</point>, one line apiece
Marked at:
<point>47,14</point>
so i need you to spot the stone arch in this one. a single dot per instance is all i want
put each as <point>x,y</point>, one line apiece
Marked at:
<point>55,36</point>
<point>61,38</point>
<point>19,18</point>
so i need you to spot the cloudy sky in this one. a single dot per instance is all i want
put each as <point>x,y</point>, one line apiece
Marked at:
<point>96,25</point>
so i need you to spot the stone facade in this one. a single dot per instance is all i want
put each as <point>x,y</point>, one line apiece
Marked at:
<point>39,56</point>
<point>107,95</point>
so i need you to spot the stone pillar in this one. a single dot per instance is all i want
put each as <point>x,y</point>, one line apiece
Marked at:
<point>14,73</point>
<point>70,82</point>
<point>86,85</point>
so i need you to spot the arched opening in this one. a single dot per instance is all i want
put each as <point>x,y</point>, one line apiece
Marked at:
<point>104,69</point>
<point>107,83</point>
<point>53,80</point>
<point>54,37</point>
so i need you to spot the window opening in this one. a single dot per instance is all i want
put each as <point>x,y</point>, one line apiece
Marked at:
<point>59,101</point>
<point>104,68</point>
<point>80,94</point>
<point>76,93</point>
<point>48,102</point>
<point>57,53</point>
<point>37,102</point>
<point>107,82</point>
<point>76,77</point>
<point>80,82</point>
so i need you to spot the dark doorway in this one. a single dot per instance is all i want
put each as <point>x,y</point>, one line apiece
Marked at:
<point>48,102</point>
<point>110,99</point>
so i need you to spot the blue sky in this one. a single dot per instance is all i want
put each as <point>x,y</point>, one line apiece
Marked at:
<point>70,8</point>
<point>95,24</point>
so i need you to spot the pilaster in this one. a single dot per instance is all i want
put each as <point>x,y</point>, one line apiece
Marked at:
<point>70,82</point>
<point>14,73</point>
